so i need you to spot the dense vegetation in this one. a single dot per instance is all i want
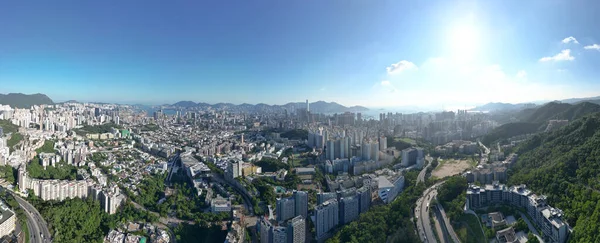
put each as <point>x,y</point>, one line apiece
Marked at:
<point>149,127</point>
<point>296,134</point>
<point>150,190</point>
<point>564,166</point>
<point>83,220</point>
<point>8,173</point>
<point>535,119</point>
<point>18,100</point>
<point>62,171</point>
<point>271,165</point>
<point>104,128</point>
<point>48,147</point>
<point>194,233</point>
<point>452,196</point>
<point>8,127</point>
<point>468,229</point>
<point>15,138</point>
<point>509,130</point>
<point>386,223</point>
<point>75,220</point>
<point>98,157</point>
<point>399,144</point>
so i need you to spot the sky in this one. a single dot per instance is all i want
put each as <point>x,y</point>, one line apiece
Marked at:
<point>380,53</point>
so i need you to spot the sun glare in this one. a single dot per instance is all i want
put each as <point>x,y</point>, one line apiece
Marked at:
<point>464,42</point>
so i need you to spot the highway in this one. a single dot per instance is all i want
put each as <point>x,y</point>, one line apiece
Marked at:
<point>423,173</point>
<point>449,228</point>
<point>35,223</point>
<point>422,211</point>
<point>484,156</point>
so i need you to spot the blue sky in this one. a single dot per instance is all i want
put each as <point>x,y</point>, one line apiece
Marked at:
<point>373,53</point>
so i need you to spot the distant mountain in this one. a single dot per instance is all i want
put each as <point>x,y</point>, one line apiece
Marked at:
<point>577,100</point>
<point>315,107</point>
<point>185,104</point>
<point>19,100</point>
<point>536,119</point>
<point>558,111</point>
<point>503,106</point>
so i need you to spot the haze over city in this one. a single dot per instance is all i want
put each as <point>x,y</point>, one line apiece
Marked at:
<point>375,54</point>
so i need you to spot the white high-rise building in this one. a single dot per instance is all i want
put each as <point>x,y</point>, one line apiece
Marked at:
<point>296,230</point>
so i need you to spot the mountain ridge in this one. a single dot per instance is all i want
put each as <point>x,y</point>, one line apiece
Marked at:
<point>317,107</point>
<point>20,100</point>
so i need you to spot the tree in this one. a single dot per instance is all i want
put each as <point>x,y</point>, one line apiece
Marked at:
<point>532,239</point>
<point>521,225</point>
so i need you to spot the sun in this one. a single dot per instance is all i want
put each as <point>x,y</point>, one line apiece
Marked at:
<point>464,42</point>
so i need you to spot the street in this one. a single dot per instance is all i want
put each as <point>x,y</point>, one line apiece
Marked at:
<point>424,228</point>
<point>35,223</point>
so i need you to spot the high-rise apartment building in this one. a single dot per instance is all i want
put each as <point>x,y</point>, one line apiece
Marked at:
<point>301,204</point>
<point>296,230</point>
<point>349,209</point>
<point>285,209</point>
<point>326,217</point>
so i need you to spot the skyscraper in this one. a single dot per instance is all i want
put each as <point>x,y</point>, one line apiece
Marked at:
<point>286,208</point>
<point>296,230</point>
<point>307,106</point>
<point>364,198</point>
<point>326,217</point>
<point>301,203</point>
<point>349,209</point>
<point>279,234</point>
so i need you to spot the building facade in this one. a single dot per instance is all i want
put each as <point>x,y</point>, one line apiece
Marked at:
<point>548,218</point>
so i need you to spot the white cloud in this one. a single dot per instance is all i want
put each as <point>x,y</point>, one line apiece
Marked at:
<point>570,39</point>
<point>592,47</point>
<point>448,83</point>
<point>564,55</point>
<point>400,67</point>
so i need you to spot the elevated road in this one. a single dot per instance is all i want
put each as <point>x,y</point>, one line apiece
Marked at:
<point>449,228</point>
<point>421,176</point>
<point>38,228</point>
<point>424,228</point>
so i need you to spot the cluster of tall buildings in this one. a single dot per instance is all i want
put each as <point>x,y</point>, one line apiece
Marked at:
<point>548,218</point>
<point>290,226</point>
<point>488,173</point>
<point>110,198</point>
<point>339,208</point>
<point>293,231</point>
<point>293,206</point>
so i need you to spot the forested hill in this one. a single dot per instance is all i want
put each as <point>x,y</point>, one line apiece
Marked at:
<point>565,166</point>
<point>19,100</point>
<point>536,119</point>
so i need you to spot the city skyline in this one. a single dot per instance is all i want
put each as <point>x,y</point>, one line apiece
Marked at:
<point>385,54</point>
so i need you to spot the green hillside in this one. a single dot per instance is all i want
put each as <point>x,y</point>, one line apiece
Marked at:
<point>564,166</point>
<point>536,120</point>
<point>510,130</point>
<point>19,100</point>
<point>544,113</point>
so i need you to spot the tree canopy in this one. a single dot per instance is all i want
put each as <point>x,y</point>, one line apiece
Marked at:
<point>563,165</point>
